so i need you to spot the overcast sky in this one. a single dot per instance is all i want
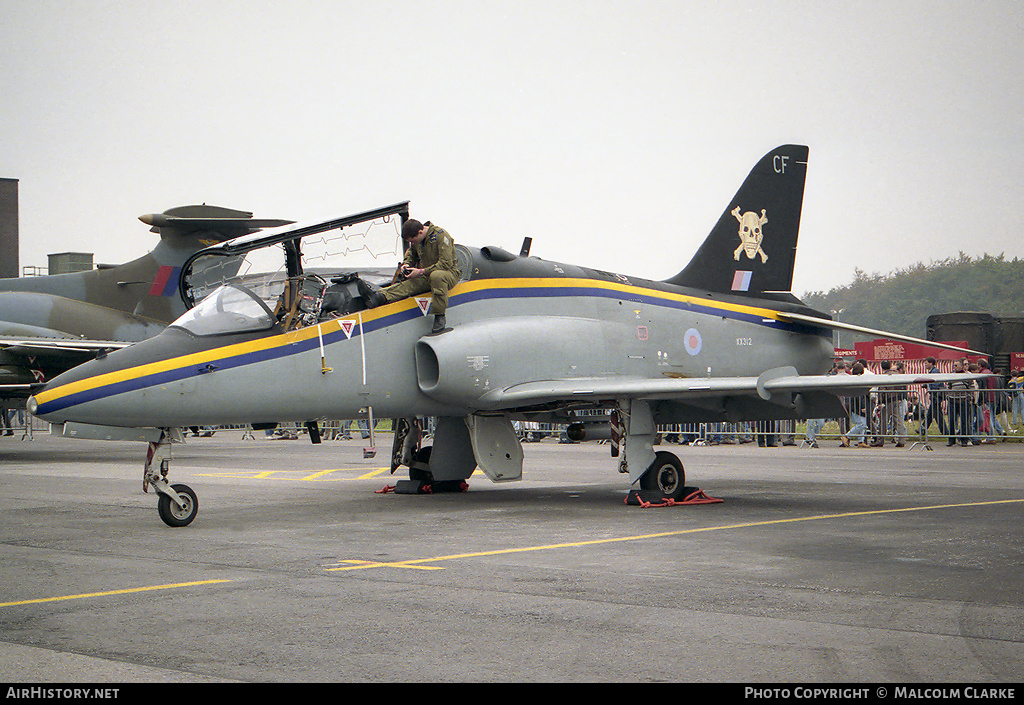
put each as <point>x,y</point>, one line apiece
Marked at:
<point>613,133</point>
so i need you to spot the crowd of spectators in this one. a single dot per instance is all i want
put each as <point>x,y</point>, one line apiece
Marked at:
<point>964,412</point>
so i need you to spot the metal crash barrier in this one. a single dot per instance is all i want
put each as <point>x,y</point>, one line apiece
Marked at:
<point>915,417</point>
<point>968,416</point>
<point>20,423</point>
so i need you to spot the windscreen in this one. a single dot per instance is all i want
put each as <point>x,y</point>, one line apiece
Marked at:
<point>229,309</point>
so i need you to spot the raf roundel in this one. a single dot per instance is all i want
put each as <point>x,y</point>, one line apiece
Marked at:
<point>692,341</point>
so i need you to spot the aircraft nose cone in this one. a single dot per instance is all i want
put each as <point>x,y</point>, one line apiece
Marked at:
<point>51,402</point>
<point>37,403</point>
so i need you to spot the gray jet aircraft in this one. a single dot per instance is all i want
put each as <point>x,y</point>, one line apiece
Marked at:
<point>49,324</point>
<point>723,340</point>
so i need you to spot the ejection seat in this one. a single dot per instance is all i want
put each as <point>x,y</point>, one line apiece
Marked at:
<point>309,299</point>
<point>345,295</point>
<point>301,301</point>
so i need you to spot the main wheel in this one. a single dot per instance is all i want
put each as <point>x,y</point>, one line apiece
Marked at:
<point>171,513</point>
<point>421,456</point>
<point>665,475</point>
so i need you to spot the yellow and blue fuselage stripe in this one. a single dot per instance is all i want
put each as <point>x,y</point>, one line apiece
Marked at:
<point>301,341</point>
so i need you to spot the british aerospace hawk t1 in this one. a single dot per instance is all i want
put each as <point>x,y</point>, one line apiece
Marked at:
<point>530,339</point>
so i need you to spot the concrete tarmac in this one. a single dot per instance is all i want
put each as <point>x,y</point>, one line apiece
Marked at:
<point>821,565</point>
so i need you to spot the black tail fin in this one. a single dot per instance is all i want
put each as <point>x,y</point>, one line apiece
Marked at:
<point>752,248</point>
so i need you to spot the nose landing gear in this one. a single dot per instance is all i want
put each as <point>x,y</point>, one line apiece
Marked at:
<point>177,505</point>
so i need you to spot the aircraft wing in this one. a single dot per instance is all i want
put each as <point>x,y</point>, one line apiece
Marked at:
<point>41,345</point>
<point>775,381</point>
<point>31,360</point>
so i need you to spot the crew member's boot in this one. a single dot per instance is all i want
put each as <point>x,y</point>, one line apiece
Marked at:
<point>371,295</point>
<point>439,324</point>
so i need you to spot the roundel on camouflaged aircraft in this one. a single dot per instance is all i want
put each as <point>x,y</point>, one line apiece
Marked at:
<point>692,341</point>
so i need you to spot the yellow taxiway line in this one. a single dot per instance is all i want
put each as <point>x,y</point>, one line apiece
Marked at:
<point>318,476</point>
<point>112,592</point>
<point>415,562</point>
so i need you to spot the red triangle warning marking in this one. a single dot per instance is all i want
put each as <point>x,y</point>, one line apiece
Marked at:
<point>424,304</point>
<point>347,327</point>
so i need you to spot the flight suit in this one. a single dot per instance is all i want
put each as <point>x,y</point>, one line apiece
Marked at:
<point>436,256</point>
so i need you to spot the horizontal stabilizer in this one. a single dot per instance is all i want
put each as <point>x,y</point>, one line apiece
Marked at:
<point>229,223</point>
<point>828,323</point>
<point>159,220</point>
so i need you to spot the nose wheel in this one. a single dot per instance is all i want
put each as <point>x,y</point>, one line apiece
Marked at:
<point>174,514</point>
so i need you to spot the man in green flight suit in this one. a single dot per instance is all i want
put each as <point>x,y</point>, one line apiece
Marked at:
<point>429,265</point>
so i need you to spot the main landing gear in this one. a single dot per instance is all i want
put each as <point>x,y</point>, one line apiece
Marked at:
<point>423,478</point>
<point>660,474</point>
<point>176,504</point>
<point>665,475</point>
<point>460,445</point>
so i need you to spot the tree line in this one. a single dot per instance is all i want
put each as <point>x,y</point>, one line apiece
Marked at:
<point>902,300</point>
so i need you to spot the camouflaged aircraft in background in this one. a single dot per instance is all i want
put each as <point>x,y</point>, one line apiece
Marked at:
<point>724,340</point>
<point>49,324</point>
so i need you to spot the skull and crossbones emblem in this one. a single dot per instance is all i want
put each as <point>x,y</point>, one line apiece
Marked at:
<point>750,234</point>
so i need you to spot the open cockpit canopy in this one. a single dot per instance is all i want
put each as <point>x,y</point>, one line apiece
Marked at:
<point>366,242</point>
